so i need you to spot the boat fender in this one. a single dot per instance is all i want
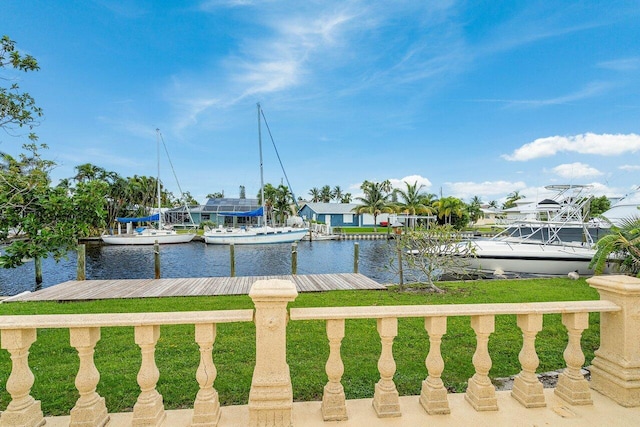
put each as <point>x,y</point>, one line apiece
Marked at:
<point>573,275</point>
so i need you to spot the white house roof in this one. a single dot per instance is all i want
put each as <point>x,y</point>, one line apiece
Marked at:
<point>331,208</point>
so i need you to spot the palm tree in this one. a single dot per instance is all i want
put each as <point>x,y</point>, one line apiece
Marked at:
<point>375,200</point>
<point>325,194</point>
<point>413,201</point>
<point>493,204</point>
<point>346,198</point>
<point>315,194</point>
<point>447,207</point>
<point>475,208</point>
<point>512,198</point>
<point>336,193</point>
<point>282,204</point>
<point>623,244</point>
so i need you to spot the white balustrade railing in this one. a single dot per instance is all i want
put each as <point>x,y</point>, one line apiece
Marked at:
<point>480,393</point>
<point>614,373</point>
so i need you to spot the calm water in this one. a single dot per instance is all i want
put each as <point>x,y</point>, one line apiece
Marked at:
<point>197,259</point>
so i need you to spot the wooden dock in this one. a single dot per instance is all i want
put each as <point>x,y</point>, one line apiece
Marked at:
<point>83,290</point>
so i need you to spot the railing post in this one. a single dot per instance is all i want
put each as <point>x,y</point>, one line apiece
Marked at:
<point>481,394</point>
<point>149,409</point>
<point>333,399</point>
<point>385,397</point>
<point>271,395</point>
<point>90,409</point>
<point>433,396</point>
<point>615,370</point>
<point>527,389</point>
<point>206,409</point>
<point>572,386</point>
<point>23,410</point>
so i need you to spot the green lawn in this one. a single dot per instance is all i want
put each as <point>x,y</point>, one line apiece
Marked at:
<point>54,362</point>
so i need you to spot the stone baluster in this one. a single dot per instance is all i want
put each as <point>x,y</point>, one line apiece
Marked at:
<point>90,409</point>
<point>206,409</point>
<point>433,396</point>
<point>149,408</point>
<point>333,399</point>
<point>23,410</point>
<point>615,369</point>
<point>572,386</point>
<point>481,394</point>
<point>271,395</point>
<point>527,389</point>
<point>385,398</point>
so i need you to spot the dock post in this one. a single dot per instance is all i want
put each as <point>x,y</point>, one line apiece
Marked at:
<point>156,256</point>
<point>81,271</point>
<point>38,267</point>
<point>294,259</point>
<point>356,254</point>
<point>232,258</point>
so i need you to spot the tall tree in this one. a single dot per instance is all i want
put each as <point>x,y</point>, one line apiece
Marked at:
<point>346,198</point>
<point>448,207</point>
<point>315,194</point>
<point>49,218</point>
<point>17,109</point>
<point>325,194</point>
<point>475,208</point>
<point>413,201</point>
<point>375,200</point>
<point>337,193</point>
<point>512,198</point>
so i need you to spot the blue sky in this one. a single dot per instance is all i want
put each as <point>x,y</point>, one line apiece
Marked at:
<point>468,98</point>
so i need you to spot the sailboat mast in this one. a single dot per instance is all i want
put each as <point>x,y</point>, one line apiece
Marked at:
<point>264,210</point>
<point>158,180</point>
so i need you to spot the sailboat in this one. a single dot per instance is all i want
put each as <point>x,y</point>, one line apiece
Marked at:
<point>254,235</point>
<point>146,235</point>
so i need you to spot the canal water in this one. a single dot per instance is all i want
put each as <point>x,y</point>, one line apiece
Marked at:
<point>198,259</point>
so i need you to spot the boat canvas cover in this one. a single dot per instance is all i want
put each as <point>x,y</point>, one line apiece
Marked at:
<point>154,217</point>
<point>250,214</point>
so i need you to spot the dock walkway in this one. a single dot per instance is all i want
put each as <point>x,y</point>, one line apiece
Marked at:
<point>83,290</point>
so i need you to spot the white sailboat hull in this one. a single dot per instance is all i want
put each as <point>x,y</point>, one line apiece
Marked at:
<point>530,258</point>
<point>254,236</point>
<point>148,237</point>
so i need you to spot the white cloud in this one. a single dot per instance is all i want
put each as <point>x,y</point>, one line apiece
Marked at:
<point>629,167</point>
<point>411,180</point>
<point>588,143</point>
<point>576,170</point>
<point>487,190</point>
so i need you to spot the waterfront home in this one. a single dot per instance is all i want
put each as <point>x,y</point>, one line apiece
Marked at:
<point>338,215</point>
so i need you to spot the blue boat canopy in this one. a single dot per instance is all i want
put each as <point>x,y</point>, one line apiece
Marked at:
<point>155,217</point>
<point>251,214</point>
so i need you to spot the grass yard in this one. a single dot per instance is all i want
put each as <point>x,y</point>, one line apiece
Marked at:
<point>55,363</point>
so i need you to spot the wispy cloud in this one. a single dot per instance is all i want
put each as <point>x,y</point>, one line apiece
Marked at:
<point>591,90</point>
<point>588,143</point>
<point>629,167</point>
<point>625,64</point>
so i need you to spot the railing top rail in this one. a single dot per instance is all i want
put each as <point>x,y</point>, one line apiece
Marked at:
<point>376,312</point>
<point>44,321</point>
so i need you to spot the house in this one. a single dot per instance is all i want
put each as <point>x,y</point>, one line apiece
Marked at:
<point>213,209</point>
<point>338,214</point>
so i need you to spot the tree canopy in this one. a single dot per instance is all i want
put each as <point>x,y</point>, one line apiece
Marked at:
<point>17,109</point>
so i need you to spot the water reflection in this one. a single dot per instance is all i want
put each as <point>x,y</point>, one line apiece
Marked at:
<point>197,259</point>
